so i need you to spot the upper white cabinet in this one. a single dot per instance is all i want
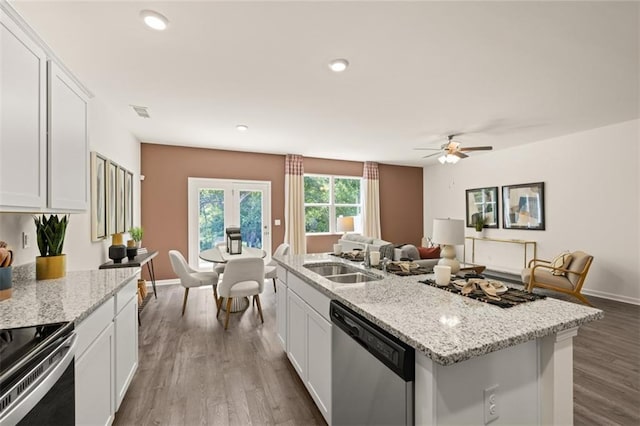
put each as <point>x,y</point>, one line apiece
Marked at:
<point>44,152</point>
<point>68,142</point>
<point>23,149</point>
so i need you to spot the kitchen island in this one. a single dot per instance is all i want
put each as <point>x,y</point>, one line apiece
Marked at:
<point>463,347</point>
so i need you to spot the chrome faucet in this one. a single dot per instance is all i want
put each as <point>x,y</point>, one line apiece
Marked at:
<point>384,263</point>
<point>367,259</point>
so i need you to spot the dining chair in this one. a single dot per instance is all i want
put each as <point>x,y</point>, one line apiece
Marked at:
<point>189,277</point>
<point>219,267</point>
<point>270,270</point>
<point>243,277</point>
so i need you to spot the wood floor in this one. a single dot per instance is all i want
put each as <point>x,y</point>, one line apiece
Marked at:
<point>192,372</point>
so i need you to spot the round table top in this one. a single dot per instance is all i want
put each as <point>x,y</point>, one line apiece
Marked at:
<point>219,254</point>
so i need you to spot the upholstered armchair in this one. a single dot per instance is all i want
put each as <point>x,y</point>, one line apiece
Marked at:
<point>567,278</point>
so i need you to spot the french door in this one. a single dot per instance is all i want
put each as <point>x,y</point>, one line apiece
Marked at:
<point>216,204</point>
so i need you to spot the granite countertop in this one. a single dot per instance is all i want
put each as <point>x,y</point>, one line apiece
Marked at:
<point>71,298</point>
<point>446,327</point>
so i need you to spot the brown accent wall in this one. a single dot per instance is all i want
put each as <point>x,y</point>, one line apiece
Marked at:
<point>164,194</point>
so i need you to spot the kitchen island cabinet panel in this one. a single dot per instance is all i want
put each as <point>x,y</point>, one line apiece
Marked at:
<point>281,313</point>
<point>297,333</point>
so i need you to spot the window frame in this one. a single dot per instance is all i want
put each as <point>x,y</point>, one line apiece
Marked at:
<point>332,205</point>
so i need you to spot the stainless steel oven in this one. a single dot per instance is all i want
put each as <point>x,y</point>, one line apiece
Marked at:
<point>37,381</point>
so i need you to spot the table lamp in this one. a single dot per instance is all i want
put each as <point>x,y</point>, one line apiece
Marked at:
<point>345,224</point>
<point>449,233</point>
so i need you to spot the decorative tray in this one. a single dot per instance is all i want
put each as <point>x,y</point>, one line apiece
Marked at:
<point>404,269</point>
<point>354,256</point>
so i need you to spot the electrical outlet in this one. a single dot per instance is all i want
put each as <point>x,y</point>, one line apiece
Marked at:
<point>491,411</point>
<point>26,240</point>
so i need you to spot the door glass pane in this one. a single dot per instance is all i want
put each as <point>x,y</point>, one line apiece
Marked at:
<point>251,218</point>
<point>347,211</point>
<point>211,217</point>
<point>316,218</point>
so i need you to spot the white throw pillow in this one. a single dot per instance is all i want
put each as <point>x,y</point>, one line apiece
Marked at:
<point>563,260</point>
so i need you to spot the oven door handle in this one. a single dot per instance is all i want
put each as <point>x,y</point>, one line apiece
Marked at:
<point>27,400</point>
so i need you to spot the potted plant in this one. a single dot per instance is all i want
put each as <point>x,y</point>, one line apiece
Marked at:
<point>50,235</point>
<point>136,236</point>
<point>480,223</point>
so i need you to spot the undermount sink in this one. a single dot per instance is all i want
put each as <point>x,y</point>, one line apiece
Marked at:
<point>340,273</point>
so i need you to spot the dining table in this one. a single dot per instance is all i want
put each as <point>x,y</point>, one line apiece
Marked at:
<point>219,254</point>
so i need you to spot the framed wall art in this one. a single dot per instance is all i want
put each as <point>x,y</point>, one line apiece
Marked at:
<point>112,177</point>
<point>523,206</point>
<point>128,201</point>
<point>120,200</point>
<point>98,197</point>
<point>482,202</point>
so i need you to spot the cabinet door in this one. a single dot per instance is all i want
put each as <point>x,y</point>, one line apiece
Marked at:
<point>297,333</point>
<point>68,143</point>
<point>126,348</point>
<point>22,120</point>
<point>94,385</point>
<point>281,313</point>
<point>319,361</point>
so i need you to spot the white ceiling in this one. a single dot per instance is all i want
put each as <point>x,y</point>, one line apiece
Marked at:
<point>506,73</point>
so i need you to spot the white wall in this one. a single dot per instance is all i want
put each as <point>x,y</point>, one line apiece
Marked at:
<point>112,140</point>
<point>592,202</point>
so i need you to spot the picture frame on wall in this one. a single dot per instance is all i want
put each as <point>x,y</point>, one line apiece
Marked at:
<point>128,202</point>
<point>523,206</point>
<point>120,200</point>
<point>112,177</point>
<point>482,202</point>
<point>98,197</point>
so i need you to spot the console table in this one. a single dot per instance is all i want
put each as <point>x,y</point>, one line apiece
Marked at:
<point>524,243</point>
<point>138,262</point>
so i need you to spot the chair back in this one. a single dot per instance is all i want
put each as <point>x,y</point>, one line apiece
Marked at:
<point>179,264</point>
<point>580,263</point>
<point>242,269</point>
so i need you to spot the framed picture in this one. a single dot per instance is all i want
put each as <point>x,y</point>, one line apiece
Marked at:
<point>128,201</point>
<point>112,177</point>
<point>98,197</point>
<point>120,200</point>
<point>523,206</point>
<point>482,202</point>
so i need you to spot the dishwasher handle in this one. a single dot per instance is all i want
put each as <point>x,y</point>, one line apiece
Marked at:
<point>392,352</point>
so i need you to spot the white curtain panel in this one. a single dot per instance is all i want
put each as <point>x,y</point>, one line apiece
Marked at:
<point>294,230</point>
<point>371,200</point>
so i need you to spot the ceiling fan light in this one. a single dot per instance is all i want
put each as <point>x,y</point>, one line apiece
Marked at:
<point>442,159</point>
<point>453,159</point>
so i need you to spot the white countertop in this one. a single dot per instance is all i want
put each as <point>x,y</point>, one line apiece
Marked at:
<point>71,298</point>
<point>446,327</point>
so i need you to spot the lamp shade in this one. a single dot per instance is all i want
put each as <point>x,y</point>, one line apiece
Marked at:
<point>448,231</point>
<point>345,224</point>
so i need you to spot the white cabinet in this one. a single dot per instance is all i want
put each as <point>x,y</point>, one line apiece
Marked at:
<point>281,313</point>
<point>297,333</point>
<point>44,152</point>
<point>126,348</point>
<point>94,398</point>
<point>309,348</point>
<point>68,147</point>
<point>106,357</point>
<point>23,146</point>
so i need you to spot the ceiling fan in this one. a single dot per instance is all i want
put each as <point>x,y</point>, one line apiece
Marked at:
<point>451,152</point>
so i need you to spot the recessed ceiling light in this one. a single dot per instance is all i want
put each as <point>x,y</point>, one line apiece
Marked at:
<point>242,127</point>
<point>154,20</point>
<point>338,65</point>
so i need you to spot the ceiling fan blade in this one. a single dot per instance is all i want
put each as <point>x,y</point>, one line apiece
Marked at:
<point>459,154</point>
<point>476,148</point>
<point>428,149</point>
<point>432,155</point>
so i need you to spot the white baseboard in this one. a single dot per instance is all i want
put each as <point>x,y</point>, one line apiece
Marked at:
<point>612,296</point>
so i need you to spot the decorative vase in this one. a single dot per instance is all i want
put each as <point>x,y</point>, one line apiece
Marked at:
<point>51,267</point>
<point>117,250</point>
<point>6,283</point>
<point>132,252</point>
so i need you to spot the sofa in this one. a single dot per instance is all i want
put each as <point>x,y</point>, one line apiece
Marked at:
<point>351,242</point>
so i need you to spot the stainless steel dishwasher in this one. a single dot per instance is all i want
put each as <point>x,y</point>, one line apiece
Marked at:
<point>372,372</point>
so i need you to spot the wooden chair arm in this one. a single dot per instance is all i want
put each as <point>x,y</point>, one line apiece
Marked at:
<point>532,261</point>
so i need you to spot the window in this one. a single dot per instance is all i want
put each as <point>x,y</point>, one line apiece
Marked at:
<point>326,198</point>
